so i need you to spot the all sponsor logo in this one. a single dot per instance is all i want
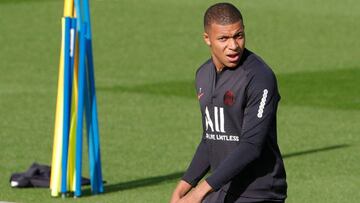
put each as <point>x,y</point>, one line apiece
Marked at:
<point>216,127</point>
<point>219,124</point>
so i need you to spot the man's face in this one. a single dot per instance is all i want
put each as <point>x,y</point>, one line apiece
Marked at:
<point>227,43</point>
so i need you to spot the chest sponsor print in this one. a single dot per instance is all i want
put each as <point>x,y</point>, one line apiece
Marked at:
<point>215,126</point>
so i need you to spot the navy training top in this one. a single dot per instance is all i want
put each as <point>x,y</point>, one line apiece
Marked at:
<point>239,142</point>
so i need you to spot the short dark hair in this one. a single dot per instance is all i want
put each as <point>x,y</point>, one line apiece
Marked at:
<point>222,14</point>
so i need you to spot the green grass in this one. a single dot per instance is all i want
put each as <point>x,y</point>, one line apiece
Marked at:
<point>146,54</point>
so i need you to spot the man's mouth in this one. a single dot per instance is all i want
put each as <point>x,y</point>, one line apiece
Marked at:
<point>233,57</point>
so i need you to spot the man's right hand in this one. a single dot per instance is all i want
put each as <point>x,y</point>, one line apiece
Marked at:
<point>180,191</point>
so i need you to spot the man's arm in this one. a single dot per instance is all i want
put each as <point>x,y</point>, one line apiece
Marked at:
<point>180,191</point>
<point>199,165</point>
<point>259,116</point>
<point>197,169</point>
<point>197,194</point>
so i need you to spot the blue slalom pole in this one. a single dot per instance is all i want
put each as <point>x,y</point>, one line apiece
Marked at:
<point>67,106</point>
<point>81,64</point>
<point>96,139</point>
<point>79,129</point>
<point>98,173</point>
<point>92,140</point>
<point>90,133</point>
<point>87,18</point>
<point>78,11</point>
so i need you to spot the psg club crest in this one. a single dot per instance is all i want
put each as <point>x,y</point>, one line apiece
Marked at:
<point>229,98</point>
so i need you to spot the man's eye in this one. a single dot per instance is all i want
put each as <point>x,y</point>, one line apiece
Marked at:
<point>222,39</point>
<point>239,36</point>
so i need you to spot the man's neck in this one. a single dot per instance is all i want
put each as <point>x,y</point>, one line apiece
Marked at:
<point>218,70</point>
<point>218,67</point>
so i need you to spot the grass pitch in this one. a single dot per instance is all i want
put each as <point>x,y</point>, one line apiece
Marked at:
<point>146,54</point>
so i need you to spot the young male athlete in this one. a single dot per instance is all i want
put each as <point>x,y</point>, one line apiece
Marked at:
<point>238,97</point>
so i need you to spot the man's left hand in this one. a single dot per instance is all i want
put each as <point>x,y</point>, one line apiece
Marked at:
<point>197,194</point>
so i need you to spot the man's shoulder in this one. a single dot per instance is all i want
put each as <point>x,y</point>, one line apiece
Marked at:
<point>254,65</point>
<point>205,67</point>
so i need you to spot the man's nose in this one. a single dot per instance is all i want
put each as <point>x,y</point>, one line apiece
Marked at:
<point>233,44</point>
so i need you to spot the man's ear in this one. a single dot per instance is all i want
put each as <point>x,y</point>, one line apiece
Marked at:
<point>206,39</point>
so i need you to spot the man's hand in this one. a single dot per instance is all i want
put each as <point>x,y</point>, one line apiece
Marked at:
<point>180,191</point>
<point>197,194</point>
<point>191,197</point>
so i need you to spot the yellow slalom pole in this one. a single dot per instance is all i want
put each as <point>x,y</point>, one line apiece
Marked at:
<point>72,140</point>
<point>68,8</point>
<point>56,172</point>
<point>58,131</point>
<point>55,180</point>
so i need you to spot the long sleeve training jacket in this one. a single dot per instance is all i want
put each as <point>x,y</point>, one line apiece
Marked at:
<point>239,142</point>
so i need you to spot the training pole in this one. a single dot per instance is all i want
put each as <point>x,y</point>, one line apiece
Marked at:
<point>76,97</point>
